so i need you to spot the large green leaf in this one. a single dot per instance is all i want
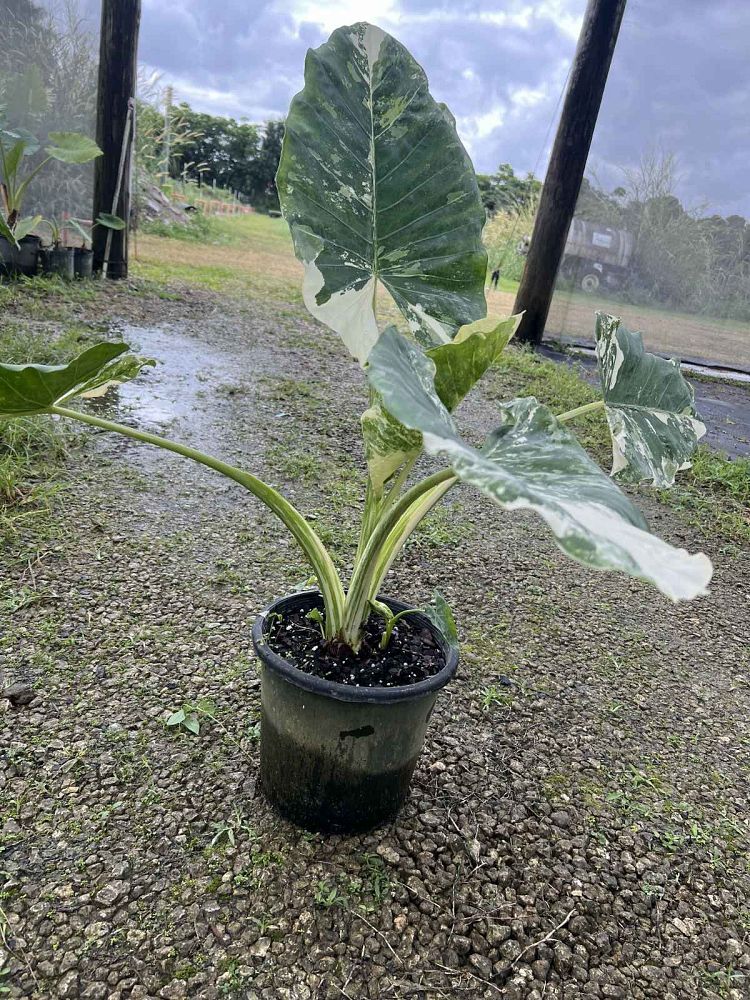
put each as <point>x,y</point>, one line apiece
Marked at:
<point>72,147</point>
<point>458,366</point>
<point>650,407</point>
<point>110,221</point>
<point>6,232</point>
<point>26,226</point>
<point>29,389</point>
<point>531,461</point>
<point>376,186</point>
<point>12,158</point>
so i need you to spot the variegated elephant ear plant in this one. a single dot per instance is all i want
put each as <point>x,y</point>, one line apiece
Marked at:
<point>379,193</point>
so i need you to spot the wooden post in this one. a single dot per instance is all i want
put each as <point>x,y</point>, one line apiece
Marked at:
<point>567,164</point>
<point>118,48</point>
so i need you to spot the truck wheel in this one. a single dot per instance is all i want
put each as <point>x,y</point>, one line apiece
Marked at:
<point>590,282</point>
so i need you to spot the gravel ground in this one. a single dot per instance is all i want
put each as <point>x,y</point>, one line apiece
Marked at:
<point>578,823</point>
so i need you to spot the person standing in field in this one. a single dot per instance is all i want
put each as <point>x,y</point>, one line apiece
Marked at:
<point>495,278</point>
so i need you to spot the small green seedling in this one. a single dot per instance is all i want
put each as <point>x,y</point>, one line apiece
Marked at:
<point>316,615</point>
<point>327,895</point>
<point>188,716</point>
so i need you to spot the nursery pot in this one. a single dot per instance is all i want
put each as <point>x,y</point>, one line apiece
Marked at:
<point>21,260</point>
<point>60,260</point>
<point>336,757</point>
<point>84,262</point>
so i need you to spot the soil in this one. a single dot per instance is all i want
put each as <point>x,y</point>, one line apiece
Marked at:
<point>578,823</point>
<point>411,655</point>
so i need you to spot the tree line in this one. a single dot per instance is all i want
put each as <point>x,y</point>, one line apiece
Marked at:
<point>235,155</point>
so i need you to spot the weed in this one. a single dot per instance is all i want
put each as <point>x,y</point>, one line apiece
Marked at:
<point>187,718</point>
<point>327,894</point>
<point>494,695</point>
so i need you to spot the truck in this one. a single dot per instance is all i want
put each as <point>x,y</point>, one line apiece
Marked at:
<point>596,255</point>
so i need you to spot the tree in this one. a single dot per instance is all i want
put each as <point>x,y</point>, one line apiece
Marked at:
<point>236,155</point>
<point>221,150</point>
<point>263,171</point>
<point>505,191</point>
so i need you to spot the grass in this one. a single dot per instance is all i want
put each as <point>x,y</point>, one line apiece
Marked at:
<point>244,255</point>
<point>32,449</point>
<point>714,495</point>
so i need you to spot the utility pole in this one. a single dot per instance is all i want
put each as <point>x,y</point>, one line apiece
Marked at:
<point>168,102</point>
<point>118,48</point>
<point>588,76</point>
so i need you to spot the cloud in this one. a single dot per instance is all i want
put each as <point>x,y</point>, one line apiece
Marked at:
<point>678,81</point>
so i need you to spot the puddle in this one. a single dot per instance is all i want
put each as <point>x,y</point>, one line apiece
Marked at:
<point>181,390</point>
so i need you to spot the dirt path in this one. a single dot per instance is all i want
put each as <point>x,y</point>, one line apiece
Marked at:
<point>578,825</point>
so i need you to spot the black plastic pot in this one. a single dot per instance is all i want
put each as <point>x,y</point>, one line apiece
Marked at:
<point>21,260</point>
<point>60,260</point>
<point>335,757</point>
<point>83,262</point>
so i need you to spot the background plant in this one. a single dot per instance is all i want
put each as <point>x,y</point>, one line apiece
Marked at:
<point>48,84</point>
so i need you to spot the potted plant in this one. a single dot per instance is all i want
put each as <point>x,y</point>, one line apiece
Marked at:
<point>19,248</point>
<point>378,191</point>
<point>84,256</point>
<point>58,259</point>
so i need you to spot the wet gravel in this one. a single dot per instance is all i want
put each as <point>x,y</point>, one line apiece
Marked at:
<point>578,825</point>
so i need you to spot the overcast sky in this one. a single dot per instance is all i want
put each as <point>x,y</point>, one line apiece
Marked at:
<point>679,80</point>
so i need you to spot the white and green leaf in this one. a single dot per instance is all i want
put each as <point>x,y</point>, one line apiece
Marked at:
<point>458,367</point>
<point>650,407</point>
<point>531,461</point>
<point>376,187</point>
<point>29,389</point>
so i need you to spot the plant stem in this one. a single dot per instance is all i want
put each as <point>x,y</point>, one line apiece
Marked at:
<point>328,578</point>
<point>400,534</point>
<point>391,624</point>
<point>598,404</point>
<point>403,474</point>
<point>360,588</point>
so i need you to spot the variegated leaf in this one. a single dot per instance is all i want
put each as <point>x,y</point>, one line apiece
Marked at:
<point>376,187</point>
<point>458,366</point>
<point>29,389</point>
<point>650,407</point>
<point>531,461</point>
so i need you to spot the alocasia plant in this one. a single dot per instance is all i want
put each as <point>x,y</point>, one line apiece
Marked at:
<point>380,194</point>
<point>15,146</point>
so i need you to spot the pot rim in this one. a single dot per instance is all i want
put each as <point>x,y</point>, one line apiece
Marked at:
<point>349,692</point>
